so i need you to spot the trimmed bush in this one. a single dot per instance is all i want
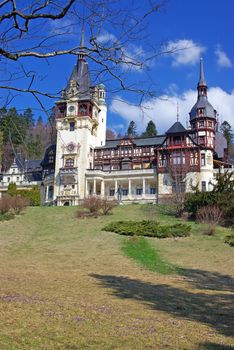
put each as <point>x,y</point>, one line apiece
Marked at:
<point>148,228</point>
<point>230,239</point>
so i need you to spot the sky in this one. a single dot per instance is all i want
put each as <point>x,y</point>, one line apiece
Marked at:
<point>189,28</point>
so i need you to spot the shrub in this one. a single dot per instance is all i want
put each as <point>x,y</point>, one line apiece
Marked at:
<point>6,216</point>
<point>210,214</point>
<point>18,204</point>
<point>11,190</point>
<point>210,230</point>
<point>96,206</point>
<point>93,204</point>
<point>5,204</point>
<point>108,205</point>
<point>148,228</point>
<point>222,196</point>
<point>32,195</point>
<point>230,239</point>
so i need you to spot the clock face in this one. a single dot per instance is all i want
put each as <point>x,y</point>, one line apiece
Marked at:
<point>71,147</point>
<point>71,108</point>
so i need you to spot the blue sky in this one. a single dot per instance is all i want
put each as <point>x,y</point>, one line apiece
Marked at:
<point>198,28</point>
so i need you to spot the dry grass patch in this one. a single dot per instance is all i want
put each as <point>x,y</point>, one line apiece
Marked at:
<point>65,284</point>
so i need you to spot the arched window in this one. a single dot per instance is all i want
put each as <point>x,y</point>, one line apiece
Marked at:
<point>69,163</point>
<point>50,192</point>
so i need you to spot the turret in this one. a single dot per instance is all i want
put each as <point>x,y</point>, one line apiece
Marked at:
<point>203,115</point>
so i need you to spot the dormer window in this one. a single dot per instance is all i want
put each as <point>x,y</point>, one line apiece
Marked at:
<point>201,111</point>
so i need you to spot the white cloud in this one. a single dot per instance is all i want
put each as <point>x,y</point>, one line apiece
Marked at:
<point>106,37</point>
<point>222,58</point>
<point>162,110</point>
<point>63,26</point>
<point>133,57</point>
<point>184,52</point>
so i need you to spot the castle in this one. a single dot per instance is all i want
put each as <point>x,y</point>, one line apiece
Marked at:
<point>141,169</point>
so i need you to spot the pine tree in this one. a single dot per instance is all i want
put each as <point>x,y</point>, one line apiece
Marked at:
<point>29,118</point>
<point>132,129</point>
<point>227,131</point>
<point>150,129</point>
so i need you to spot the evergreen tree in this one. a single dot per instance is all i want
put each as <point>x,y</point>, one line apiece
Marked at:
<point>132,129</point>
<point>150,129</point>
<point>1,149</point>
<point>227,131</point>
<point>29,118</point>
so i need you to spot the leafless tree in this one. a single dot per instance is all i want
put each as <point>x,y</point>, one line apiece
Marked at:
<point>178,167</point>
<point>44,29</point>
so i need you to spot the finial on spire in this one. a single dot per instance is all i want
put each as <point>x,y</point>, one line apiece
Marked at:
<point>177,112</point>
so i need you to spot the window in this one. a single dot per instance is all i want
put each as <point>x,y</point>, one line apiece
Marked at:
<point>139,191</point>
<point>83,108</point>
<point>126,166</point>
<point>124,192</point>
<point>50,192</point>
<point>210,124</point>
<point>8,179</point>
<point>203,186</point>
<point>152,190</point>
<point>176,140</point>
<point>112,193</point>
<point>73,186</point>
<point>72,126</point>
<point>69,163</point>
<point>17,179</point>
<point>203,159</point>
<point>201,123</point>
<point>178,187</point>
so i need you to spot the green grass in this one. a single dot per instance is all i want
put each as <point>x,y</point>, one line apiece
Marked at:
<point>67,285</point>
<point>139,249</point>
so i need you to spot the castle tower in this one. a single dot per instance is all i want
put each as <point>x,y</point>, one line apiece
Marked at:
<point>203,124</point>
<point>81,126</point>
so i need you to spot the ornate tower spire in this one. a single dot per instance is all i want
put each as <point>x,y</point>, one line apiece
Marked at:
<point>177,112</point>
<point>81,51</point>
<point>201,86</point>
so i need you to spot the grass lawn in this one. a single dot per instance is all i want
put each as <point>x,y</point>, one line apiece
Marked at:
<point>66,284</point>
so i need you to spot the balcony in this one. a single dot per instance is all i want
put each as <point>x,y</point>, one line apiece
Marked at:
<point>68,170</point>
<point>119,173</point>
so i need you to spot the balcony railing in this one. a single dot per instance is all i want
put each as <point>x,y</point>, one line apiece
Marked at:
<point>95,172</point>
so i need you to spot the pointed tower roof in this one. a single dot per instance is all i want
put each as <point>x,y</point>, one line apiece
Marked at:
<point>80,74</point>
<point>202,101</point>
<point>176,128</point>
<point>202,81</point>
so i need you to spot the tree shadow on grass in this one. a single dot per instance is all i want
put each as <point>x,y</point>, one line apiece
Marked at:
<point>215,310</point>
<point>208,280</point>
<point>213,346</point>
